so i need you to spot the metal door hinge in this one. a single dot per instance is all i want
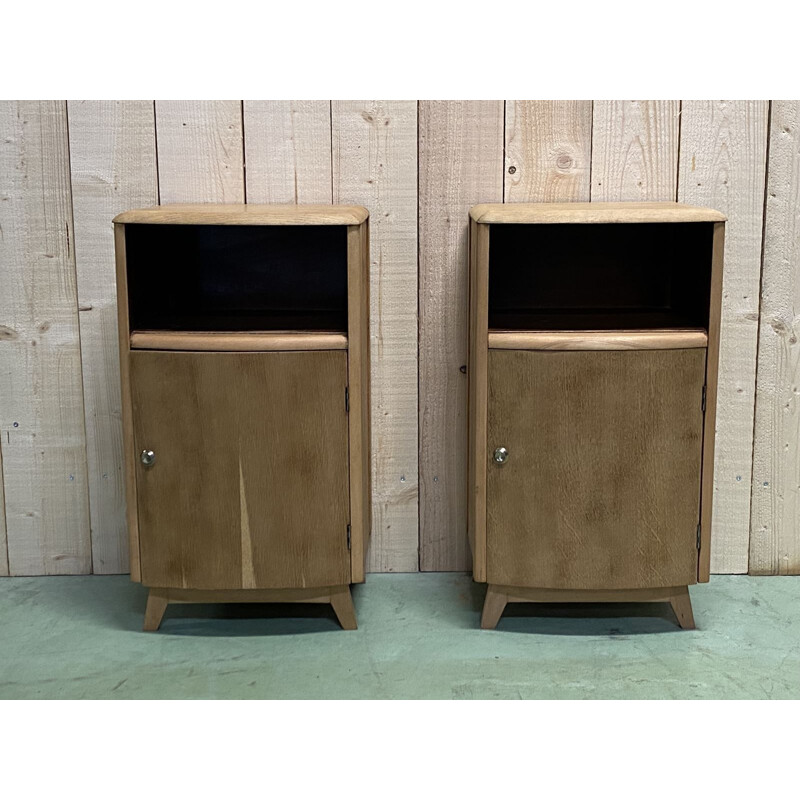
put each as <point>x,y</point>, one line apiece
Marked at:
<point>703,405</point>
<point>698,535</point>
<point>348,537</point>
<point>347,399</point>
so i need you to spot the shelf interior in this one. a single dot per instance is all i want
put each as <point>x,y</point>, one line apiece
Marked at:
<point>237,278</point>
<point>599,277</point>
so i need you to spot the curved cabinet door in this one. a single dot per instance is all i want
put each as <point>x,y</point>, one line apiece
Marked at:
<point>248,485</point>
<point>599,484</point>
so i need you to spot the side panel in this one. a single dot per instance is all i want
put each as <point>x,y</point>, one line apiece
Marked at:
<point>249,487</point>
<point>601,488</point>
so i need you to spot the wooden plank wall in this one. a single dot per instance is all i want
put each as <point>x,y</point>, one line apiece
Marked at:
<point>67,168</point>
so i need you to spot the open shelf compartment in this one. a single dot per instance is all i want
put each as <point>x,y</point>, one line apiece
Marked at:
<point>599,277</point>
<point>237,278</point>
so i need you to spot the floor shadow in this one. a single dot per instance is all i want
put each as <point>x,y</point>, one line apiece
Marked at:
<point>614,620</point>
<point>248,619</point>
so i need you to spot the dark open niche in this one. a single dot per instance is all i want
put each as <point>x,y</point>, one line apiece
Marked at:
<point>237,277</point>
<point>599,277</point>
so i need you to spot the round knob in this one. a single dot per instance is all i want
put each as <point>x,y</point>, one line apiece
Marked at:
<point>501,455</point>
<point>148,458</point>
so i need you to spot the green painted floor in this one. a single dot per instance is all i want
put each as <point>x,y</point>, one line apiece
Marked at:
<point>79,637</point>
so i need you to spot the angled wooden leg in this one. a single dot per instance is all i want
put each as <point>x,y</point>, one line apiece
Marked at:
<point>493,607</point>
<point>682,606</point>
<point>342,604</point>
<point>154,613</point>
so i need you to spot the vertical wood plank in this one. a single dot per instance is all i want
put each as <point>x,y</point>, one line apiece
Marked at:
<point>634,150</point>
<point>288,151</point>
<point>723,155</point>
<point>548,151</point>
<point>113,165</point>
<point>41,396</point>
<point>460,164</point>
<point>775,522</point>
<point>200,151</point>
<point>375,164</point>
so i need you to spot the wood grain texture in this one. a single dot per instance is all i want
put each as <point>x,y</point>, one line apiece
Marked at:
<point>477,397</point>
<point>548,147</point>
<point>460,147</point>
<point>113,168</point>
<point>634,150</point>
<point>288,151</point>
<point>601,489</point>
<point>591,213</point>
<point>236,342</point>
<point>598,340</point>
<point>220,510</point>
<point>723,165</point>
<point>128,455</point>
<point>358,373</point>
<point>41,396</point>
<point>775,520</point>
<point>250,214</point>
<point>200,151</point>
<point>375,163</point>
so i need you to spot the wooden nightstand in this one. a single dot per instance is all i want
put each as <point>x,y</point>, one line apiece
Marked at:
<point>244,347</point>
<point>594,341</point>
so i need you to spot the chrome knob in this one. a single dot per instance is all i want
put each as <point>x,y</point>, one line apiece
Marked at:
<point>501,455</point>
<point>148,458</point>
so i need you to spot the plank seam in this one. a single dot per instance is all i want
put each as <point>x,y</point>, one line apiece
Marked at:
<point>3,510</point>
<point>678,160</point>
<point>591,149</point>
<point>244,153</point>
<point>155,142</point>
<point>71,242</point>
<point>758,328</point>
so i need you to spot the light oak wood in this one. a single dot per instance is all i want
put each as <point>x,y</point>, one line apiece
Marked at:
<point>478,395</point>
<point>200,152</point>
<point>375,163</point>
<point>682,606</point>
<point>288,151</point>
<point>460,151</point>
<point>113,167</point>
<point>548,150</point>
<point>712,377</point>
<point>41,396</point>
<point>342,603</point>
<point>128,452</point>
<point>494,605</point>
<point>242,494</point>
<point>775,513</point>
<point>723,165</point>
<point>635,154</point>
<point>598,340</point>
<point>217,341</point>
<point>497,597</point>
<point>238,214</point>
<point>601,489</point>
<point>359,398</point>
<point>338,596</point>
<point>157,603</point>
<point>590,213</point>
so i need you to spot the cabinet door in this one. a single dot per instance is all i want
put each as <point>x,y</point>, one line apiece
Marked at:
<point>601,486</point>
<point>249,486</point>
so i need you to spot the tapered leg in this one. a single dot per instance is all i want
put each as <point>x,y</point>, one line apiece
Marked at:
<point>154,613</point>
<point>493,607</point>
<point>342,604</point>
<point>682,606</point>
